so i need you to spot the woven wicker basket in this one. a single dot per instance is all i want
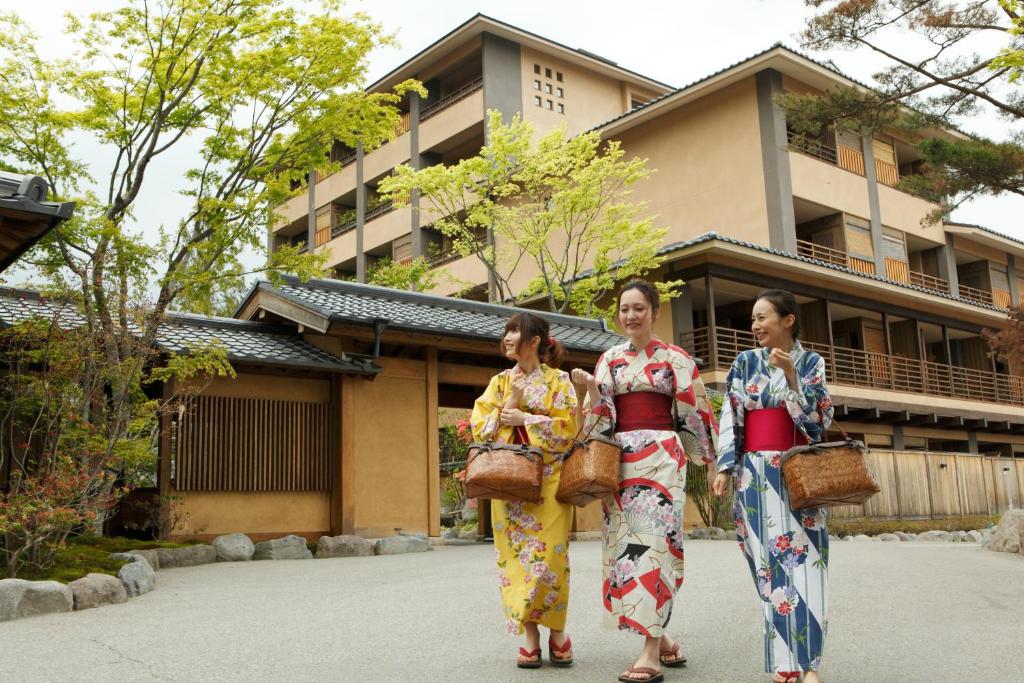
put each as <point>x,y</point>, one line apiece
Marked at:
<point>590,471</point>
<point>828,474</point>
<point>504,472</point>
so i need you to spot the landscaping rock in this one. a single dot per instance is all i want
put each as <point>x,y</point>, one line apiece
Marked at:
<point>137,576</point>
<point>716,534</point>
<point>470,534</point>
<point>450,533</point>
<point>889,538</point>
<point>396,545</point>
<point>343,546</point>
<point>847,538</point>
<point>287,548</point>
<point>1008,536</point>
<point>861,537</point>
<point>95,590</point>
<point>189,556</point>
<point>935,535</point>
<point>20,598</point>
<point>904,536</point>
<point>701,533</point>
<point>974,536</point>
<point>150,556</point>
<point>234,548</point>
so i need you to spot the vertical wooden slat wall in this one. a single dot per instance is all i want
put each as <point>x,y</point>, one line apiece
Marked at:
<point>240,444</point>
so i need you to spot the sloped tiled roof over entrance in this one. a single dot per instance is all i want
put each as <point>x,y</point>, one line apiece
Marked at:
<point>25,216</point>
<point>342,301</point>
<point>244,341</point>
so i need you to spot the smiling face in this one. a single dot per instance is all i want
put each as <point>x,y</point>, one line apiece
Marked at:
<point>517,351</point>
<point>636,316</point>
<point>769,328</point>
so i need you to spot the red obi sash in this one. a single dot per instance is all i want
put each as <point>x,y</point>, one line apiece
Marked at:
<point>771,429</point>
<point>643,410</point>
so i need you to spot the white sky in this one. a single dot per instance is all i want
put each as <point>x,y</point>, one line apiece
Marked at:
<point>676,42</point>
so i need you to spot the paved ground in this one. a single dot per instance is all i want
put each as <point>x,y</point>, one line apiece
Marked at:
<point>901,612</point>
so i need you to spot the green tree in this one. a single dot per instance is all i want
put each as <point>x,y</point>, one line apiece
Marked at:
<point>261,88</point>
<point>560,207</point>
<point>415,274</point>
<point>946,61</point>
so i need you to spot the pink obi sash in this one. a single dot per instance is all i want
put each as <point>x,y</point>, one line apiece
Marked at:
<point>771,429</point>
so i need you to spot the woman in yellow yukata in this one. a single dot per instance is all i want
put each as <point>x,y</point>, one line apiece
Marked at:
<point>532,403</point>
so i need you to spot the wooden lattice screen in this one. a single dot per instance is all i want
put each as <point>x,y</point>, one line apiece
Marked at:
<point>244,444</point>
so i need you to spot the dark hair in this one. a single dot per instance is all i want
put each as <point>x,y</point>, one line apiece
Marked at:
<point>649,291</point>
<point>784,304</point>
<point>551,352</point>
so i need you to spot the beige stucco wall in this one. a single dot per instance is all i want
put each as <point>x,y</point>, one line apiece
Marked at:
<point>906,212</point>
<point>589,98</point>
<point>828,185</point>
<point>453,120</point>
<point>390,472</point>
<point>207,514</point>
<point>382,229</point>
<point>708,169</point>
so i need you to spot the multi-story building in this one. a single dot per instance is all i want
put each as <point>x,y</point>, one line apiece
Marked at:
<point>894,303</point>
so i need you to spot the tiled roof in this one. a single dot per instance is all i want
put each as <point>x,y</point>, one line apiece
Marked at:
<point>244,341</point>
<point>25,214</point>
<point>990,231</point>
<point>352,302</point>
<point>710,236</point>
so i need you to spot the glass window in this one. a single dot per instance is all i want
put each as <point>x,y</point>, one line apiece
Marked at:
<point>537,100</point>
<point>561,108</point>
<point>858,238</point>
<point>547,73</point>
<point>558,76</point>
<point>893,245</point>
<point>536,68</point>
<point>536,85</point>
<point>561,93</point>
<point>551,105</point>
<point>547,88</point>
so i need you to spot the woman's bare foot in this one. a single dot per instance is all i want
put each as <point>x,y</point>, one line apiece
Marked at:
<point>532,644</point>
<point>670,653</point>
<point>648,660</point>
<point>561,654</point>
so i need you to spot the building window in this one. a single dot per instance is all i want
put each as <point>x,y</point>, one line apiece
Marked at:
<point>536,85</point>
<point>558,76</point>
<point>537,100</point>
<point>551,105</point>
<point>561,108</point>
<point>561,93</point>
<point>547,88</point>
<point>536,68</point>
<point>547,73</point>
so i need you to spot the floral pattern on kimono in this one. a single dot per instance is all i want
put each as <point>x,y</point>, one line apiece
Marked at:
<point>643,523</point>
<point>786,550</point>
<point>531,540</point>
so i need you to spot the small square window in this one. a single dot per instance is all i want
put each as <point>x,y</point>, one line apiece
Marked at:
<point>547,88</point>
<point>561,93</point>
<point>537,100</point>
<point>536,85</point>
<point>561,108</point>
<point>558,76</point>
<point>536,68</point>
<point>547,73</point>
<point>551,105</point>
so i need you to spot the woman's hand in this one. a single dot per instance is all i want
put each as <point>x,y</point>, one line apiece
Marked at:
<point>516,390</point>
<point>784,362</point>
<point>512,416</point>
<point>581,376</point>
<point>721,484</point>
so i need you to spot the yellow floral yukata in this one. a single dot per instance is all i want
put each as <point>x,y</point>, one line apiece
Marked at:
<point>531,540</point>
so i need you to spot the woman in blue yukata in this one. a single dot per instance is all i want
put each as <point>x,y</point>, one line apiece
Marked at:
<point>776,398</point>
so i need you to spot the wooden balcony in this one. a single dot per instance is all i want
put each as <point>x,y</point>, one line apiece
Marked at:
<point>859,368</point>
<point>830,255</point>
<point>450,99</point>
<point>978,295</point>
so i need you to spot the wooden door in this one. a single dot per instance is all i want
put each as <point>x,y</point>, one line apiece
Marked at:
<point>874,344</point>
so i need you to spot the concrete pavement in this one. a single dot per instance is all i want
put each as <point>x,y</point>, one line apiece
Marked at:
<point>900,612</point>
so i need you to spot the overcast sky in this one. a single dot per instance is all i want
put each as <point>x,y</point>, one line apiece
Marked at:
<point>671,41</point>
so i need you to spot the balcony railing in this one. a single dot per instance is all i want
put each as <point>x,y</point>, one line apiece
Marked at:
<point>451,98</point>
<point>895,269</point>
<point>887,174</point>
<point>379,210</point>
<point>868,369</point>
<point>978,295</point>
<point>844,157</point>
<point>451,255</point>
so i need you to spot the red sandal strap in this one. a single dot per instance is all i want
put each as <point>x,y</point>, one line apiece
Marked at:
<point>566,646</point>
<point>523,652</point>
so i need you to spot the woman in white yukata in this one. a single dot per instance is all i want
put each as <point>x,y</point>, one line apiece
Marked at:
<point>776,398</point>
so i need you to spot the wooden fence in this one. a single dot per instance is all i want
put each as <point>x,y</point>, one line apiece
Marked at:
<point>916,484</point>
<point>243,444</point>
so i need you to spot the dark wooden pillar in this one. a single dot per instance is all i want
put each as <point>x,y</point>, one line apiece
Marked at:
<point>163,468</point>
<point>709,293</point>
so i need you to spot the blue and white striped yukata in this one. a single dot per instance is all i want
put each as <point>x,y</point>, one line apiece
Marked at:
<point>786,549</point>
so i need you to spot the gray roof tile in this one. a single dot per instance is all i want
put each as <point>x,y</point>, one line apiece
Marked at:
<point>348,301</point>
<point>244,341</point>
